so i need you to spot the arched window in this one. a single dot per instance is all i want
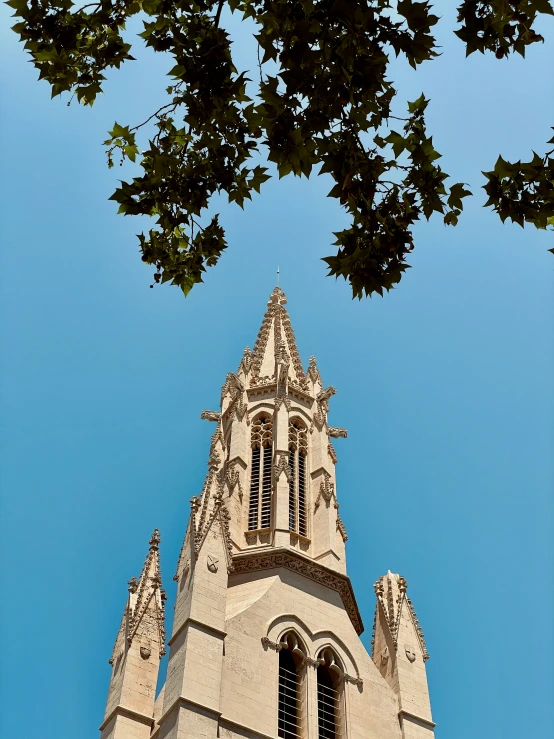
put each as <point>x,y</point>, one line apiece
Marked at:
<point>298,451</point>
<point>259,512</point>
<point>329,674</point>
<point>291,688</point>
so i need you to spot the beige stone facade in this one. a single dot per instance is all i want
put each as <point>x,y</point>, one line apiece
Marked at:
<point>266,633</point>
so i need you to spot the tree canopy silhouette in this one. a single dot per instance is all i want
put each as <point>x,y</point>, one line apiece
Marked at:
<point>321,98</point>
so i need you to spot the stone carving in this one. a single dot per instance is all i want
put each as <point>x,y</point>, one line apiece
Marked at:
<point>410,654</point>
<point>332,453</point>
<point>325,394</point>
<point>337,433</point>
<point>253,561</point>
<point>232,478</point>
<point>214,460</point>
<point>145,652</point>
<point>268,644</point>
<point>313,372</point>
<point>232,382</point>
<point>210,415</point>
<point>341,528</point>
<point>282,465</point>
<point>283,399</point>
<point>385,656</point>
<point>213,563</point>
<point>354,680</point>
<point>326,490</point>
<point>246,361</point>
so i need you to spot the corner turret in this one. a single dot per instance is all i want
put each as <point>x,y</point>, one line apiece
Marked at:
<point>135,660</point>
<point>399,652</point>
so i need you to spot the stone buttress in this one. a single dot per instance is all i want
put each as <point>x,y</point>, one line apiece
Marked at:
<point>262,591</point>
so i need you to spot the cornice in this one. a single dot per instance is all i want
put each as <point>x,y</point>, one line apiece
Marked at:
<point>200,624</point>
<point>142,718</point>
<point>280,557</point>
<point>402,714</point>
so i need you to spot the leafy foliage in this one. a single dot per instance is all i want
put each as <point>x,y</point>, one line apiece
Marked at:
<point>323,99</point>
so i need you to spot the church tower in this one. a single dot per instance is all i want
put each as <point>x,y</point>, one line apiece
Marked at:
<point>266,632</point>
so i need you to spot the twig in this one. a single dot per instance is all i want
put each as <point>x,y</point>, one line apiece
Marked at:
<point>218,14</point>
<point>140,125</point>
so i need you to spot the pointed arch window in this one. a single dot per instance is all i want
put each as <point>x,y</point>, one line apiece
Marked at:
<point>292,703</point>
<point>298,453</point>
<point>259,511</point>
<point>329,695</point>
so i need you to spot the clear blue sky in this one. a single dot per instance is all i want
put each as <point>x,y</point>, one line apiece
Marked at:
<point>445,386</point>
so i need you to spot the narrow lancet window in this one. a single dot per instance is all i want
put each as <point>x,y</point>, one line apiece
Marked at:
<point>328,696</point>
<point>298,449</point>
<point>291,688</point>
<point>259,510</point>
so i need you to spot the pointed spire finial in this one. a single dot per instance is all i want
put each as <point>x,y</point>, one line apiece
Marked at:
<point>155,540</point>
<point>277,297</point>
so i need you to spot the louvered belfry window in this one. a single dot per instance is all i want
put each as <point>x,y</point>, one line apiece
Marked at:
<point>292,707</point>
<point>259,512</point>
<point>328,697</point>
<point>298,451</point>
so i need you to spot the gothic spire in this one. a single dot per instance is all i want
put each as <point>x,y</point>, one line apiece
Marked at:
<point>390,590</point>
<point>275,346</point>
<point>146,602</point>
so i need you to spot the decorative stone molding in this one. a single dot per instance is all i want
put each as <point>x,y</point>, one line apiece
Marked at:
<point>283,399</point>
<point>313,662</point>
<point>258,536</point>
<point>412,717</point>
<point>354,680</point>
<point>210,416</point>
<point>268,644</point>
<point>214,461</point>
<point>332,453</point>
<point>326,490</point>
<point>282,465</point>
<point>232,479</point>
<point>246,361</point>
<point>254,561</point>
<point>232,382</point>
<point>337,433</point>
<point>313,372</point>
<point>341,528</point>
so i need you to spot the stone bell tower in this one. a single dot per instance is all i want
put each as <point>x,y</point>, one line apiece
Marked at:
<point>266,632</point>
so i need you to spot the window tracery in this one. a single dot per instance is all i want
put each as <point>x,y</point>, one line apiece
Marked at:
<point>259,511</point>
<point>298,453</point>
